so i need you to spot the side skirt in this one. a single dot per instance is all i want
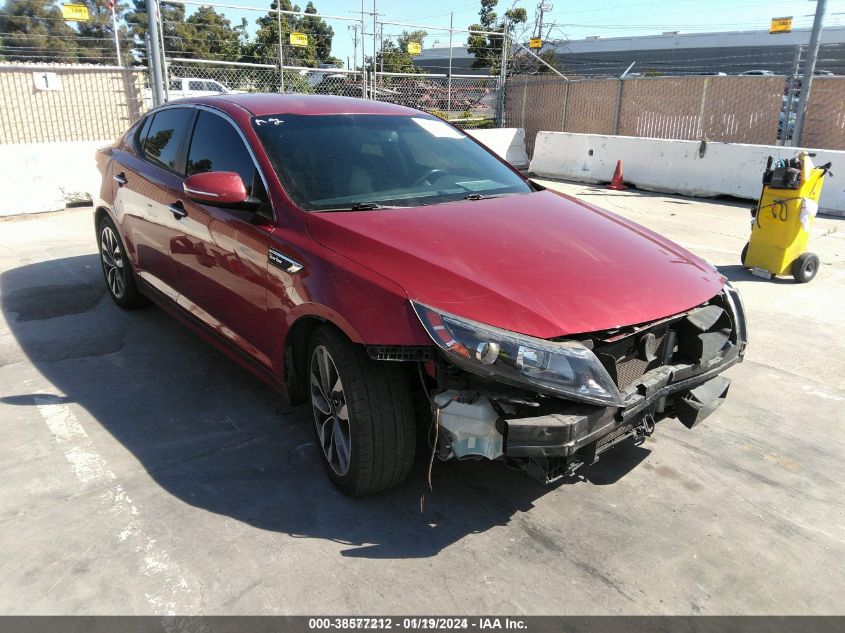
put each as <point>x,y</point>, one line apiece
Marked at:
<point>233,352</point>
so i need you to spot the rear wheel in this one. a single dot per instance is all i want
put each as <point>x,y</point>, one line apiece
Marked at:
<point>117,271</point>
<point>363,416</point>
<point>805,267</point>
<point>744,253</point>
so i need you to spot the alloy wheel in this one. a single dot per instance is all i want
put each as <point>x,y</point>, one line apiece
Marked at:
<point>113,264</point>
<point>331,415</point>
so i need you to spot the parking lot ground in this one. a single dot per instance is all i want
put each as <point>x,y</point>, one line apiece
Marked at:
<point>143,472</point>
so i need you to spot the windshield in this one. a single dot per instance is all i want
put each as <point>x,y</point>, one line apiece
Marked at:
<point>363,161</point>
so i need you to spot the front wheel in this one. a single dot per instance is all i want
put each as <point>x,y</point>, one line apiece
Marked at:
<point>363,416</point>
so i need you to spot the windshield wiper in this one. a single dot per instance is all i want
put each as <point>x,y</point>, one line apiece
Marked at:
<point>363,206</point>
<point>479,196</point>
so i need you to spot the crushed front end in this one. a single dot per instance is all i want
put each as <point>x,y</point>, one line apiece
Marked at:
<point>549,407</point>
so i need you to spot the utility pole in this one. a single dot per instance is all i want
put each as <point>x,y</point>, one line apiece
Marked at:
<point>809,69</point>
<point>281,49</point>
<point>792,89</point>
<point>363,54</point>
<point>165,74</point>
<point>503,62</point>
<point>381,46</point>
<point>116,41</point>
<point>449,80</point>
<point>354,29</point>
<point>542,7</point>
<point>375,44</point>
<point>154,58</point>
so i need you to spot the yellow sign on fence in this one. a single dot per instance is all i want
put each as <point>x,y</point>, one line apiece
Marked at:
<point>414,48</point>
<point>781,25</point>
<point>298,39</point>
<point>75,13</point>
<point>535,42</point>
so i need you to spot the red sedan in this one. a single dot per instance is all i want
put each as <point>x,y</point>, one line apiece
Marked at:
<point>386,268</point>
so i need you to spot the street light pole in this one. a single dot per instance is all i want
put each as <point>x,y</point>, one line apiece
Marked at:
<point>281,49</point>
<point>809,69</point>
<point>116,41</point>
<point>154,58</point>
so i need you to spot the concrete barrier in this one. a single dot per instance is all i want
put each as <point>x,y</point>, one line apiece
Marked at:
<point>38,177</point>
<point>506,142</point>
<point>687,167</point>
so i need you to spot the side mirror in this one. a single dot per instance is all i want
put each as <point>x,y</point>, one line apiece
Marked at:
<point>219,189</point>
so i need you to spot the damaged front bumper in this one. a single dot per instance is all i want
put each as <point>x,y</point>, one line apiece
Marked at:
<point>556,444</point>
<point>552,437</point>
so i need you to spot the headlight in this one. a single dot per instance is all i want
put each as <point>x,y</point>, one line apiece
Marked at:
<point>565,369</point>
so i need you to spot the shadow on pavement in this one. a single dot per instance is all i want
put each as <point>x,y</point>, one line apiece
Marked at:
<point>212,435</point>
<point>736,272</point>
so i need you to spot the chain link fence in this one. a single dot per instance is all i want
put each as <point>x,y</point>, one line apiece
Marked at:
<point>728,109</point>
<point>469,101</point>
<point>191,78</point>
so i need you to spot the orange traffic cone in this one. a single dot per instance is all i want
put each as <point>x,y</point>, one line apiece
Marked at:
<point>617,183</point>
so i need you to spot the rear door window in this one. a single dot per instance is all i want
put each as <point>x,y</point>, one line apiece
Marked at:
<point>164,136</point>
<point>196,85</point>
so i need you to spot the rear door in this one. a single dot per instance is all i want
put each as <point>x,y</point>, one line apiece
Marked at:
<point>220,255</point>
<point>149,179</point>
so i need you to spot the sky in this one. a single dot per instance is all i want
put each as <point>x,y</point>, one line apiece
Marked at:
<point>568,20</point>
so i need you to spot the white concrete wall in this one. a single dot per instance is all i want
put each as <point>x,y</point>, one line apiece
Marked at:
<point>506,142</point>
<point>37,177</point>
<point>674,166</point>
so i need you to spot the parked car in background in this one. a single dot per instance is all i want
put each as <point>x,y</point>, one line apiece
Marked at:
<point>337,84</point>
<point>385,268</point>
<point>187,87</point>
<point>757,73</point>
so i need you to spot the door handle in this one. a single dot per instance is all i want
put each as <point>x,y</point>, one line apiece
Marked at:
<point>120,179</point>
<point>177,210</point>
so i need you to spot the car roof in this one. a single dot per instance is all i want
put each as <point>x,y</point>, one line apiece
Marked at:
<point>261,104</point>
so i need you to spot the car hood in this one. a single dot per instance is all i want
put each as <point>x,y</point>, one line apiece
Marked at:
<point>542,264</point>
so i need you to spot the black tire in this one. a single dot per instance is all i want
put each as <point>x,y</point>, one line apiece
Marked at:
<point>744,253</point>
<point>805,267</point>
<point>117,269</point>
<point>381,437</point>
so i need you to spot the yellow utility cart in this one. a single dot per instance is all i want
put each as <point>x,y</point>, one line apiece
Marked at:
<point>781,223</point>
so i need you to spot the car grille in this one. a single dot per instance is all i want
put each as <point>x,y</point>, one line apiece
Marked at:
<point>622,430</point>
<point>631,369</point>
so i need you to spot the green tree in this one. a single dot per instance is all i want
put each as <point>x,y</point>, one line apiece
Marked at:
<point>173,25</point>
<point>396,57</point>
<point>265,47</point>
<point>95,38</point>
<point>551,58</point>
<point>488,48</point>
<point>320,32</point>
<point>33,30</point>
<point>207,34</point>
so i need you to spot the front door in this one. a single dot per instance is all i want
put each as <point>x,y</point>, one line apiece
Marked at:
<point>220,255</point>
